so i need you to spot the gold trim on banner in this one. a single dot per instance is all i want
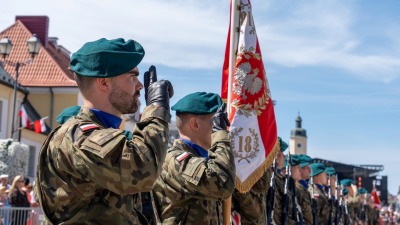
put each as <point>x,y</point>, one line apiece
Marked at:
<point>245,186</point>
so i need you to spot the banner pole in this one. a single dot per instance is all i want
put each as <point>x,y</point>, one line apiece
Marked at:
<point>234,23</point>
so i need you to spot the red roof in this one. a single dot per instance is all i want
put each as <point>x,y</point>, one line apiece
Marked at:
<point>50,67</point>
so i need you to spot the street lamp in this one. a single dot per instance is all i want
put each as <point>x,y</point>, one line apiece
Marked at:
<point>5,49</point>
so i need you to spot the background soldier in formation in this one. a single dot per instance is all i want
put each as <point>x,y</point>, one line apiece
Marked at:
<point>199,171</point>
<point>330,192</point>
<point>352,201</point>
<point>320,180</point>
<point>89,172</point>
<point>280,180</point>
<point>304,196</point>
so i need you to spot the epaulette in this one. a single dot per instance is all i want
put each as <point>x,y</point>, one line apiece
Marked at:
<point>182,156</point>
<point>88,127</point>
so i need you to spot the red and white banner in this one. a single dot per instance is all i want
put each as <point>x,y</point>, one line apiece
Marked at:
<point>254,137</point>
<point>25,122</point>
<point>377,200</point>
<point>40,126</point>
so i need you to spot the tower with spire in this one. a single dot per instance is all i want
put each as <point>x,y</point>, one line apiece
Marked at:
<point>298,138</point>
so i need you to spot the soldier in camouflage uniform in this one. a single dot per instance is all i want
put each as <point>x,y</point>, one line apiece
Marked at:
<point>296,213</point>
<point>199,169</point>
<point>363,206</point>
<point>331,187</point>
<point>352,201</point>
<point>373,211</point>
<point>320,181</point>
<point>304,197</point>
<point>280,179</point>
<point>88,171</point>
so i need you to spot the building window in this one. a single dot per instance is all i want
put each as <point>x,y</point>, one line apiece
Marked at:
<point>298,145</point>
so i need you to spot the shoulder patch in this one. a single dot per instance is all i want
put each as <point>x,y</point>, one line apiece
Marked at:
<point>87,127</point>
<point>316,196</point>
<point>182,156</point>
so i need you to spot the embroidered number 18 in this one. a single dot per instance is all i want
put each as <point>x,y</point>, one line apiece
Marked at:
<point>247,144</point>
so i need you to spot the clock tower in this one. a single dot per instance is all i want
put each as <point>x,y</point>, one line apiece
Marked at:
<point>298,138</point>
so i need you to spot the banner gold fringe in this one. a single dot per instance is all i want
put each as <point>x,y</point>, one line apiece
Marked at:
<point>245,186</point>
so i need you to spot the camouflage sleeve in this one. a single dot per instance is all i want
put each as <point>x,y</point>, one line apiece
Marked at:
<point>305,204</point>
<point>262,185</point>
<point>323,209</point>
<point>250,205</point>
<point>278,202</point>
<point>204,179</point>
<point>111,162</point>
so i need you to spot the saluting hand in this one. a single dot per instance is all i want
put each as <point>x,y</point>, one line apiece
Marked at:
<point>220,119</point>
<point>157,92</point>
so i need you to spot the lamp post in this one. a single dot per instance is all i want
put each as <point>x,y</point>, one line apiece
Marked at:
<point>34,45</point>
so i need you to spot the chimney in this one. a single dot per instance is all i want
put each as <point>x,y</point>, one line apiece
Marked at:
<point>38,25</point>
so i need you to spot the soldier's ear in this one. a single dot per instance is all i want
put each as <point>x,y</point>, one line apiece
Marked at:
<point>103,84</point>
<point>194,123</point>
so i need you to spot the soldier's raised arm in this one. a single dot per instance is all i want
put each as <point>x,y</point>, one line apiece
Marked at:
<point>89,170</point>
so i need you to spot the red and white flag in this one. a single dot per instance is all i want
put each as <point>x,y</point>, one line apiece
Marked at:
<point>40,126</point>
<point>25,122</point>
<point>254,138</point>
<point>377,200</point>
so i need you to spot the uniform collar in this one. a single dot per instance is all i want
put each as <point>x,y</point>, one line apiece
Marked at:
<point>108,120</point>
<point>320,186</point>
<point>304,183</point>
<point>199,150</point>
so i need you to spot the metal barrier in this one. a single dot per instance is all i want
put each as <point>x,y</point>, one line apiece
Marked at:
<point>21,216</point>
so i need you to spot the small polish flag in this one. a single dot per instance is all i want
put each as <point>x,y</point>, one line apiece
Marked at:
<point>182,156</point>
<point>40,126</point>
<point>24,118</point>
<point>87,127</point>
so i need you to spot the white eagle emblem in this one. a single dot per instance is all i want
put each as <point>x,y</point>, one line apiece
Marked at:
<point>246,81</point>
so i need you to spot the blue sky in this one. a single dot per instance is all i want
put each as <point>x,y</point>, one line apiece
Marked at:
<point>335,62</point>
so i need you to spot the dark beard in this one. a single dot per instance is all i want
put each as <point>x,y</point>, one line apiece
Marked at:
<point>124,102</point>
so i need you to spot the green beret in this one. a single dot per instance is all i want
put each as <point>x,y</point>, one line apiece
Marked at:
<point>67,113</point>
<point>107,58</point>
<point>346,182</point>
<point>344,191</point>
<point>295,160</point>
<point>304,160</point>
<point>198,103</point>
<point>317,168</point>
<point>361,191</point>
<point>282,145</point>
<point>330,171</point>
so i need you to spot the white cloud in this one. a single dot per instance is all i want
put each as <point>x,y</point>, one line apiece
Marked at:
<point>192,34</point>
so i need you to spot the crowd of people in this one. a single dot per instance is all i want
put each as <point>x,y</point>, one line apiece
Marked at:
<point>18,194</point>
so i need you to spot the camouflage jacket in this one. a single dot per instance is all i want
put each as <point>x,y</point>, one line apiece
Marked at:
<point>304,199</point>
<point>191,188</point>
<point>373,216</point>
<point>279,200</point>
<point>354,209</point>
<point>252,205</point>
<point>88,174</point>
<point>322,205</point>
